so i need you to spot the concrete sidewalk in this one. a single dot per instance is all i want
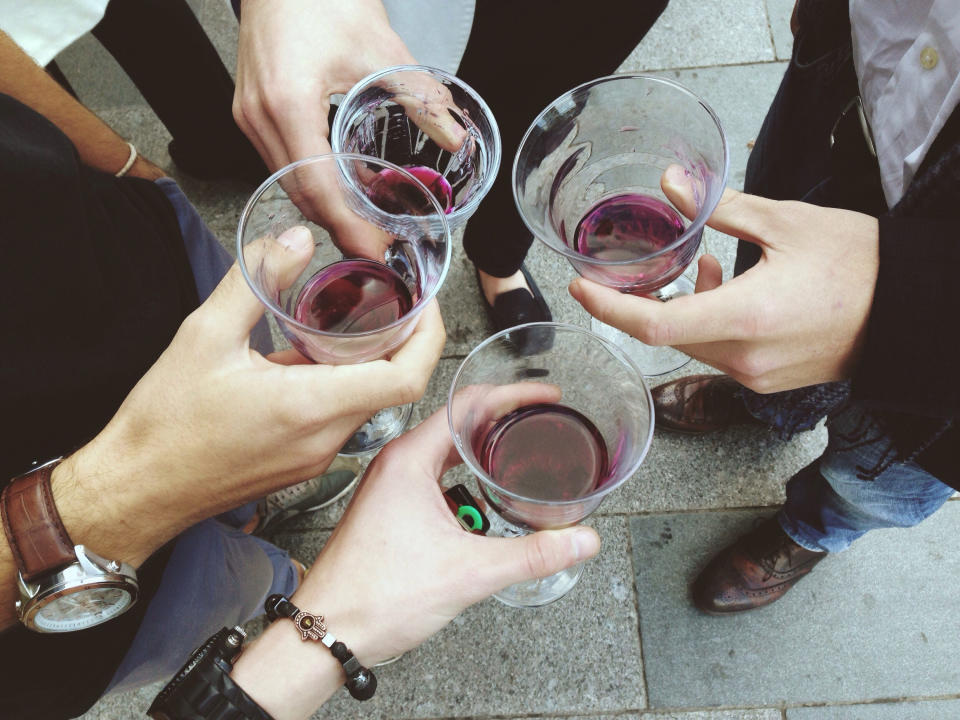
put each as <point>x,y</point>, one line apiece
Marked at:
<point>871,635</point>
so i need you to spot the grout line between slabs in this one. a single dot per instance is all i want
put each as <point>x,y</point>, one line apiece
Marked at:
<point>636,607</point>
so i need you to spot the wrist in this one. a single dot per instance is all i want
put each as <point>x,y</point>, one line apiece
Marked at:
<point>99,496</point>
<point>287,677</point>
<point>143,168</point>
<point>291,677</point>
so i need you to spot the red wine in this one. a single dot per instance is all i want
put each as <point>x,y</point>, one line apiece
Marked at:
<point>392,192</point>
<point>353,296</point>
<point>545,452</point>
<point>627,226</point>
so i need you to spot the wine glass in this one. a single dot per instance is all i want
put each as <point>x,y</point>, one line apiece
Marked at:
<point>381,251</point>
<point>586,181</point>
<point>548,435</point>
<point>430,123</point>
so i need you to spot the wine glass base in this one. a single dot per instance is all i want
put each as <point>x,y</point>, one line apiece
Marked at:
<point>652,361</point>
<point>376,432</point>
<point>536,593</point>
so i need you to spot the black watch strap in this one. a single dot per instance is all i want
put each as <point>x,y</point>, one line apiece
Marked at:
<point>203,689</point>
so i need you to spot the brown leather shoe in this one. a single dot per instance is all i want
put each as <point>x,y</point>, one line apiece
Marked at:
<point>755,571</point>
<point>700,404</point>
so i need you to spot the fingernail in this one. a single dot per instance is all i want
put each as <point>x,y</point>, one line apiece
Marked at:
<point>586,543</point>
<point>296,238</point>
<point>574,288</point>
<point>676,175</point>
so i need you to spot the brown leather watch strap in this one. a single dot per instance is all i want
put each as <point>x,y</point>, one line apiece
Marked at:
<point>38,540</point>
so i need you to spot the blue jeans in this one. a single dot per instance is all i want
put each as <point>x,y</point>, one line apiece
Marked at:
<point>857,485</point>
<point>217,575</point>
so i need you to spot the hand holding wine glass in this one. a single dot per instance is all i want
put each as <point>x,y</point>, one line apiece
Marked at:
<point>292,56</point>
<point>799,317</point>
<point>397,569</point>
<point>214,424</point>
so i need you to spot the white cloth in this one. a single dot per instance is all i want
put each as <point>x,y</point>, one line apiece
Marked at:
<point>907,57</point>
<point>435,31</point>
<point>45,27</point>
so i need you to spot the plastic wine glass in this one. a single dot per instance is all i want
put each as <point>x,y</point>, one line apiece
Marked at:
<point>548,435</point>
<point>430,123</point>
<point>380,255</point>
<point>586,181</point>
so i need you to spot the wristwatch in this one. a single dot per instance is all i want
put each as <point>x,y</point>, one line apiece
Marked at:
<point>63,587</point>
<point>203,689</point>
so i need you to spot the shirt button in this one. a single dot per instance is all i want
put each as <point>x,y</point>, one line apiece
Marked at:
<point>929,58</point>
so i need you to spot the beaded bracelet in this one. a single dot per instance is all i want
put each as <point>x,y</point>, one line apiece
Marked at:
<point>361,682</point>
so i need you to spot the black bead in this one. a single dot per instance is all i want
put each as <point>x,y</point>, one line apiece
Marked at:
<point>362,684</point>
<point>341,652</point>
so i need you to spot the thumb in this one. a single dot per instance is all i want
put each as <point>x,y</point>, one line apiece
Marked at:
<point>738,214</point>
<point>538,555</point>
<point>272,265</point>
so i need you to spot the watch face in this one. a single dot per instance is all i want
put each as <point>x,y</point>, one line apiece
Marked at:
<point>82,609</point>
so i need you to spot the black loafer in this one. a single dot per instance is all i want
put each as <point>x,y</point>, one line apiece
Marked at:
<point>518,307</point>
<point>242,164</point>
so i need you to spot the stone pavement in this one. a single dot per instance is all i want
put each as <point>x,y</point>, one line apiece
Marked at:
<point>869,636</point>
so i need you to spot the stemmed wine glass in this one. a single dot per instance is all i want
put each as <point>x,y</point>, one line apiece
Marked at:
<point>381,252</point>
<point>586,180</point>
<point>549,435</point>
<point>430,123</point>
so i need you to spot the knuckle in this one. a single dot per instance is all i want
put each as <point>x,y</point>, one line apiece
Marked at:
<point>755,365</point>
<point>198,325</point>
<point>540,558</point>
<point>657,332</point>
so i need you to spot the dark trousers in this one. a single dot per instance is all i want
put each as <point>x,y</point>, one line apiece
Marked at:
<point>522,56</point>
<point>188,88</point>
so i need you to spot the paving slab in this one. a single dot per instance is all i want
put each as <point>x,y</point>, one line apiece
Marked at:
<point>693,33</point>
<point>779,12</point>
<point>740,95</point>
<point>761,714</point>
<point>579,655</point>
<point>124,706</point>
<point>861,627</point>
<point>921,710</point>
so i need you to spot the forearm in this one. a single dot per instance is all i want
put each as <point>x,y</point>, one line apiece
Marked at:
<point>98,145</point>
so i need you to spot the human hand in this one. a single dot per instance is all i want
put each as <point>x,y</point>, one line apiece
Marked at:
<point>293,55</point>
<point>397,568</point>
<point>214,424</point>
<point>797,318</point>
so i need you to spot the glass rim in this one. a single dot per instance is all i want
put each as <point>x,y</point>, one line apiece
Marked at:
<point>338,158</point>
<point>696,224</point>
<point>339,122</point>
<point>600,492</point>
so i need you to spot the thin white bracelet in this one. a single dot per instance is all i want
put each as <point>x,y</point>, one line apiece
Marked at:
<point>130,161</point>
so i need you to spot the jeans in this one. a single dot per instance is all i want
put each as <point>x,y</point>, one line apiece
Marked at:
<point>856,486</point>
<point>217,575</point>
<point>863,481</point>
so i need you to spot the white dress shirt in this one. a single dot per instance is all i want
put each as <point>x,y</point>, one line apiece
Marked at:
<point>907,57</point>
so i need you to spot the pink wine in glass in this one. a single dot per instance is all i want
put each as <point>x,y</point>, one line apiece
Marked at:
<point>545,452</point>
<point>392,192</point>
<point>353,296</point>
<point>626,227</point>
